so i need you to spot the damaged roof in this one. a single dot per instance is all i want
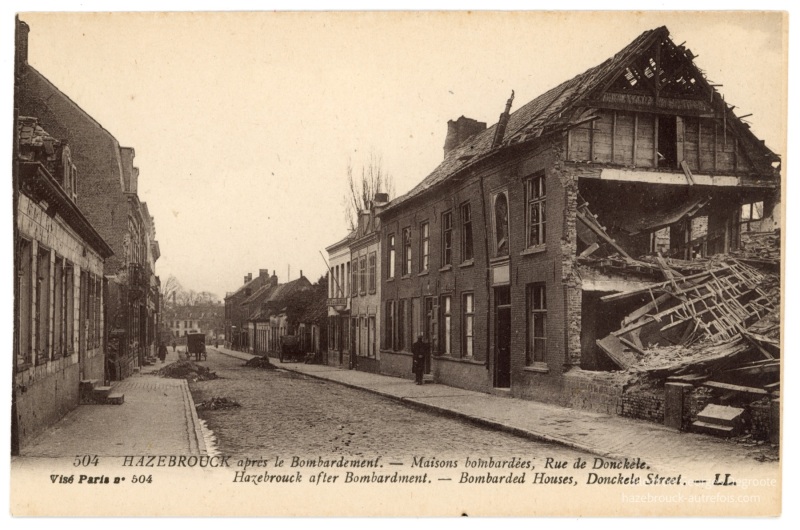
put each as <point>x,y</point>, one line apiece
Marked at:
<point>548,113</point>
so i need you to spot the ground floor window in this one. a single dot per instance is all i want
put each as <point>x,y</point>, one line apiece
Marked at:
<point>446,325</point>
<point>537,323</point>
<point>468,320</point>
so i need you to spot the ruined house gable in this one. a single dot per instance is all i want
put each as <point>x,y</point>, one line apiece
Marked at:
<point>653,108</point>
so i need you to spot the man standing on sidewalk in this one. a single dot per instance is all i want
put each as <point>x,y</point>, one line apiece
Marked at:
<point>418,350</point>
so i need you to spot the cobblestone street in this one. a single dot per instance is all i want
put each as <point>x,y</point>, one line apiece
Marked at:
<point>286,413</point>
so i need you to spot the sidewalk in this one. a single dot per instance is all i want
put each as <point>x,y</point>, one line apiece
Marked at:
<point>158,417</point>
<point>599,434</point>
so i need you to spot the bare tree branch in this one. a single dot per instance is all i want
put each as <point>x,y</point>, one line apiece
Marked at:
<point>361,190</point>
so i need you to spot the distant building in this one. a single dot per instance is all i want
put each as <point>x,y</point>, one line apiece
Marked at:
<point>236,315</point>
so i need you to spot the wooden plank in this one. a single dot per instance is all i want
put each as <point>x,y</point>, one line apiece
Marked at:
<point>655,286</point>
<point>736,388</point>
<point>687,172</point>
<point>642,311</point>
<point>655,125</point>
<point>588,251</point>
<point>616,351</point>
<point>679,136</point>
<point>635,137</point>
<point>603,235</point>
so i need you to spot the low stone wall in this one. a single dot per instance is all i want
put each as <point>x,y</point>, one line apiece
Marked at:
<point>644,404</point>
<point>594,391</point>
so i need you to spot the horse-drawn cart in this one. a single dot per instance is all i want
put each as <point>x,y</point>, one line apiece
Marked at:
<point>196,345</point>
<point>290,348</point>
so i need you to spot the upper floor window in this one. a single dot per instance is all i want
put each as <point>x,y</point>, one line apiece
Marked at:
<point>354,277</point>
<point>447,238</point>
<point>391,260</point>
<point>501,224</point>
<point>466,233</point>
<point>372,268</point>
<point>363,276</point>
<point>424,246</point>
<point>406,251</point>
<point>535,192</point>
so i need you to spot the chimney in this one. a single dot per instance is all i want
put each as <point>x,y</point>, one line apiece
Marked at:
<point>21,38</point>
<point>502,122</point>
<point>459,130</point>
<point>263,273</point>
<point>274,278</point>
<point>301,273</point>
<point>249,277</point>
<point>381,198</point>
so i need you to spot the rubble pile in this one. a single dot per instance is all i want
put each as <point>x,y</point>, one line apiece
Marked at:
<point>217,403</point>
<point>762,246</point>
<point>261,362</point>
<point>187,370</point>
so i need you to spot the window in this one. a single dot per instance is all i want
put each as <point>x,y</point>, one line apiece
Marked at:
<point>372,276</point>
<point>750,213</point>
<point>406,251</point>
<point>446,325</point>
<point>500,225</point>
<point>25,278</point>
<point>69,296</point>
<point>371,337</point>
<point>59,308</point>
<point>84,303</point>
<point>466,233</point>
<point>468,319</point>
<point>447,239</point>
<point>389,331</point>
<point>401,325</point>
<point>354,278</point>
<point>43,306</point>
<point>390,247</point>
<point>535,193</point>
<point>537,324</point>
<point>424,231</point>
<point>363,276</point>
<point>346,288</point>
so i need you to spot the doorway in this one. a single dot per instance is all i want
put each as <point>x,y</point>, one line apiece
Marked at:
<point>502,348</point>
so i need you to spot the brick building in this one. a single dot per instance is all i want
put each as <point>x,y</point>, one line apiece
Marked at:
<point>237,313</point>
<point>489,257</point>
<point>59,289</point>
<point>107,194</point>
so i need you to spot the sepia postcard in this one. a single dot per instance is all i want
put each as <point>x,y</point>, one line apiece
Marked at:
<point>396,263</point>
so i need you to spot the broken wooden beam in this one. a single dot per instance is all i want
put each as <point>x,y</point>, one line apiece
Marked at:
<point>736,388</point>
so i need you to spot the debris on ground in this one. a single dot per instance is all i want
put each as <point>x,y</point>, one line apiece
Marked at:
<point>217,403</point>
<point>261,362</point>
<point>187,370</point>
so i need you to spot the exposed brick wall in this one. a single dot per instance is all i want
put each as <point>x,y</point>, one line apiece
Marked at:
<point>595,391</point>
<point>644,404</point>
<point>760,424</point>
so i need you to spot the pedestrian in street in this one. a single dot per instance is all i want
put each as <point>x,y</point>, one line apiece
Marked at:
<point>173,346</point>
<point>162,351</point>
<point>418,351</point>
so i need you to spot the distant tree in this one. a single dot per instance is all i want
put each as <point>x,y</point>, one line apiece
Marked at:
<point>206,298</point>
<point>362,185</point>
<point>169,289</point>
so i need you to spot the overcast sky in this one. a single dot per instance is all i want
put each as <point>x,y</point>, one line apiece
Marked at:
<point>243,124</point>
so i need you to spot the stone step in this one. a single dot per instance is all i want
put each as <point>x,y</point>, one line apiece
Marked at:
<point>720,415</point>
<point>704,427</point>
<point>115,399</point>
<point>89,383</point>
<point>101,391</point>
